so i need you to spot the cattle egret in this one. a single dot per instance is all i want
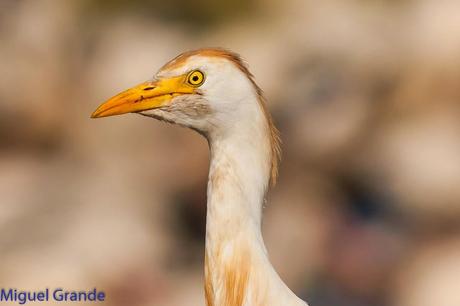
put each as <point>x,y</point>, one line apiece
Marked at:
<point>212,92</point>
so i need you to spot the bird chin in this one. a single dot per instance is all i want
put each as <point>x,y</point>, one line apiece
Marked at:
<point>180,119</point>
<point>159,114</point>
<point>191,111</point>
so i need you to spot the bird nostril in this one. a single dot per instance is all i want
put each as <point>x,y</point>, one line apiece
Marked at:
<point>149,88</point>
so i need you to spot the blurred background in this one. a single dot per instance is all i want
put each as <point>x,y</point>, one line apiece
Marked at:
<point>365,93</point>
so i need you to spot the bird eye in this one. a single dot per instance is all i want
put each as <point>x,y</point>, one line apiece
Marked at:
<point>195,78</point>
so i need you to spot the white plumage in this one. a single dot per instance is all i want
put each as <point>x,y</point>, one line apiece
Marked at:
<point>211,91</point>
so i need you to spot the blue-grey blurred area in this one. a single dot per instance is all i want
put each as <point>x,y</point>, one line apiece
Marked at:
<point>366,94</point>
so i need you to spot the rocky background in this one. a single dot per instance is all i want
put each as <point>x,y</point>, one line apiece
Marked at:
<point>366,94</point>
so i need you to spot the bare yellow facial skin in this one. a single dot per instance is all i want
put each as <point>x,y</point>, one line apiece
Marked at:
<point>145,96</point>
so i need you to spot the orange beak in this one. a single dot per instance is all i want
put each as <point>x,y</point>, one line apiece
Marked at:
<point>145,96</point>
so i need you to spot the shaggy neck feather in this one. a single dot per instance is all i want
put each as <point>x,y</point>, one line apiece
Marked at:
<point>238,178</point>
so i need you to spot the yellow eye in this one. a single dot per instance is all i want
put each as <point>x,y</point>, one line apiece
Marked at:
<point>195,78</point>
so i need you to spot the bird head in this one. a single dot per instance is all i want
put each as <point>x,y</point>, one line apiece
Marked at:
<point>208,90</point>
<point>203,89</point>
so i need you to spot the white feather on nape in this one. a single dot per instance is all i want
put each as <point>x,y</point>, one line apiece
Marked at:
<point>182,61</point>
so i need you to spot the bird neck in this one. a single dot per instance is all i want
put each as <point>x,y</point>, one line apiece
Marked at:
<point>235,253</point>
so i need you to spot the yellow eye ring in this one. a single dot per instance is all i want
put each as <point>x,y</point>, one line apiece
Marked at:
<point>195,78</point>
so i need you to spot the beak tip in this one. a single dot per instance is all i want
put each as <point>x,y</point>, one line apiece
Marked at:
<point>126,101</point>
<point>98,113</point>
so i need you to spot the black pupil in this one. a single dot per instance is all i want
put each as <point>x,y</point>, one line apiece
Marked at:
<point>195,78</point>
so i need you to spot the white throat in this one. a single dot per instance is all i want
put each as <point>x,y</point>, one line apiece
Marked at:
<point>237,269</point>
